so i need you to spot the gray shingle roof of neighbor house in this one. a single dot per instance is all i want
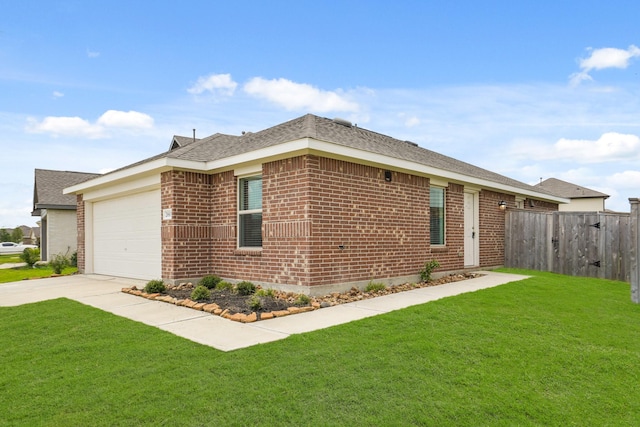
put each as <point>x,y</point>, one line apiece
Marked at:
<point>334,131</point>
<point>48,186</point>
<point>568,189</point>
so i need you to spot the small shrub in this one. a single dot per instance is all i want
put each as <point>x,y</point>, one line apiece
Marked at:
<point>425,273</point>
<point>210,282</point>
<point>375,287</point>
<point>200,293</point>
<point>269,293</point>
<point>58,263</point>
<point>302,299</point>
<point>224,286</point>
<point>245,288</point>
<point>155,287</point>
<point>74,259</point>
<point>254,302</point>
<point>30,256</point>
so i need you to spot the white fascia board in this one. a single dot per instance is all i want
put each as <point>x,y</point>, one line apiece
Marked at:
<point>122,188</point>
<point>287,149</point>
<point>299,147</point>
<point>386,161</point>
<point>153,167</point>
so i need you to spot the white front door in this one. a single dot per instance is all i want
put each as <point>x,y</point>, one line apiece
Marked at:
<point>471,245</point>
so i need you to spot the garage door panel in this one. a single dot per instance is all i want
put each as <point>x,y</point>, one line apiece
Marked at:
<point>126,233</point>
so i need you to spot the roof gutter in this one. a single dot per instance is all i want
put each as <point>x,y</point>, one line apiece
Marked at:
<point>294,148</point>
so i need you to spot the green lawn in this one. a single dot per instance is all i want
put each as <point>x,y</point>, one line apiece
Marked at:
<point>21,273</point>
<point>10,259</point>
<point>548,351</point>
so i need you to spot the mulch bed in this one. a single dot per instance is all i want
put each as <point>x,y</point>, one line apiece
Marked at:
<point>228,304</point>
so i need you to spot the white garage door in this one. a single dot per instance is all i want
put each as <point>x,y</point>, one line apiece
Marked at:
<point>126,236</point>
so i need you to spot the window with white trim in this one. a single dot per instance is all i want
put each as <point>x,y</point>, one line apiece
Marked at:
<point>436,215</point>
<point>250,212</point>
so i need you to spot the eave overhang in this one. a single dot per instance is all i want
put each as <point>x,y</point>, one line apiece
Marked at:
<point>296,148</point>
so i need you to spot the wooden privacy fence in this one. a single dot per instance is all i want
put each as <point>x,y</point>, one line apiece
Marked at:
<point>593,244</point>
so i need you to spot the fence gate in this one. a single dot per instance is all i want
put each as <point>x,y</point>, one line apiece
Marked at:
<point>593,244</point>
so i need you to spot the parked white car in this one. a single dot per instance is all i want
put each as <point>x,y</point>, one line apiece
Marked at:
<point>13,248</point>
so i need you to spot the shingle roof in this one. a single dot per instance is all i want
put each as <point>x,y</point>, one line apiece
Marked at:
<point>221,146</point>
<point>181,141</point>
<point>48,186</point>
<point>568,190</point>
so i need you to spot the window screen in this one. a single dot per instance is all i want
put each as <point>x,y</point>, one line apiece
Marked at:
<point>436,214</point>
<point>250,212</point>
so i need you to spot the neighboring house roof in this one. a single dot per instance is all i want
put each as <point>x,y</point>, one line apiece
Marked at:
<point>48,186</point>
<point>569,190</point>
<point>313,134</point>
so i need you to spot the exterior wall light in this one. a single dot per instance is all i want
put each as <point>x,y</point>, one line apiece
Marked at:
<point>502,205</point>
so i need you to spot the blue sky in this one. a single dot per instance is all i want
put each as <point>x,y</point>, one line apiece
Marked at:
<point>528,89</point>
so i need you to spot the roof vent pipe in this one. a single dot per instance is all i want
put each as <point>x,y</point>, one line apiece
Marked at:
<point>194,135</point>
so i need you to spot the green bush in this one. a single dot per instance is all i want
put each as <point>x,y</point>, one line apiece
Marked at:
<point>30,256</point>
<point>254,302</point>
<point>375,287</point>
<point>302,299</point>
<point>200,293</point>
<point>74,259</point>
<point>155,287</point>
<point>210,282</point>
<point>269,293</point>
<point>224,286</point>
<point>58,263</point>
<point>245,288</point>
<point>425,273</point>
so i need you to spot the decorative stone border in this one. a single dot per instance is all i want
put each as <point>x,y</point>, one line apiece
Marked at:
<point>215,309</point>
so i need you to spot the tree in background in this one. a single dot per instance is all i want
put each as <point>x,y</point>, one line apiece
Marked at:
<point>16,235</point>
<point>4,235</point>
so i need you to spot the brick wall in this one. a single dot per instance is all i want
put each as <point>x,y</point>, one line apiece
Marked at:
<point>325,222</point>
<point>286,228</point>
<point>81,233</point>
<point>186,237</point>
<point>451,255</point>
<point>382,226</point>
<point>491,227</point>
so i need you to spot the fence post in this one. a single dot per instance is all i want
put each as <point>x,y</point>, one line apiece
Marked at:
<point>635,247</point>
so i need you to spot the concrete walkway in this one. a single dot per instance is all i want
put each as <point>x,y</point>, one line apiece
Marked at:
<point>104,292</point>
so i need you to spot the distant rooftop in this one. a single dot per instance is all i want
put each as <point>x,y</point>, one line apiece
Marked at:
<point>569,190</point>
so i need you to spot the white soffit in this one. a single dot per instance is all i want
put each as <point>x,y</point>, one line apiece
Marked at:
<point>298,147</point>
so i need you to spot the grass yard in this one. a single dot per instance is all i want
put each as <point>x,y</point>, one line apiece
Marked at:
<point>548,351</point>
<point>20,273</point>
<point>10,259</point>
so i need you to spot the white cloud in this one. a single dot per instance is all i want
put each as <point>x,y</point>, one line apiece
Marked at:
<point>611,146</point>
<point>65,126</point>
<point>122,119</point>
<point>92,54</point>
<point>57,94</point>
<point>412,121</point>
<point>298,96</point>
<point>79,127</point>
<point>625,180</point>
<point>221,84</point>
<point>600,59</point>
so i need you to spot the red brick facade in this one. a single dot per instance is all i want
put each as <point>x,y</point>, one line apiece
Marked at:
<point>324,222</point>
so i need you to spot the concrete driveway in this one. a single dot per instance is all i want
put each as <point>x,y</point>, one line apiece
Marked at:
<point>104,293</point>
